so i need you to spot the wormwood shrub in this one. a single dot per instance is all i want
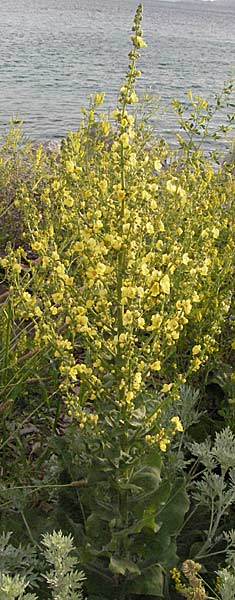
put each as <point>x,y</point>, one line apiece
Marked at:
<point>63,578</point>
<point>117,294</point>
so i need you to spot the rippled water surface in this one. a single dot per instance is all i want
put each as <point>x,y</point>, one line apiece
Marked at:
<point>55,53</point>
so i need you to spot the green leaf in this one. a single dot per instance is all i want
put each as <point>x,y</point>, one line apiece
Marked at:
<point>121,566</point>
<point>172,515</point>
<point>150,583</point>
<point>148,479</point>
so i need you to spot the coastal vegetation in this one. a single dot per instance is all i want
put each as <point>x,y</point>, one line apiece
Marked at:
<point>117,340</point>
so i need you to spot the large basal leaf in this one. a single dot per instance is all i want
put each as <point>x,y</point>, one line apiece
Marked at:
<point>150,583</point>
<point>148,479</point>
<point>172,515</point>
<point>123,566</point>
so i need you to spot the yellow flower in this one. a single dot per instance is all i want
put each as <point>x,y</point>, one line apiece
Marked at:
<point>163,443</point>
<point>121,195</point>
<point>103,184</point>
<point>161,226</point>
<point>187,306</point>
<point>156,321</point>
<point>197,363</point>
<point>27,297</point>
<point>155,289</point>
<point>17,268</point>
<point>159,245</point>
<point>195,297</point>
<point>171,187</point>
<point>124,138</point>
<point>57,297</point>
<point>157,165</point>
<point>215,232</point>
<point>144,269</point>
<point>81,323</point>
<point>137,381</point>
<point>156,366</point>
<point>129,397</point>
<point>141,322</point>
<point>149,228</point>
<point>166,387</point>
<point>172,324</point>
<point>133,98</point>
<point>105,127</point>
<point>185,259</point>
<point>203,270</point>
<point>37,246</point>
<point>177,424</point>
<point>68,200</point>
<point>196,350</point>
<point>138,41</point>
<point>100,269</point>
<point>165,284</point>
<point>153,204</point>
<point>127,318</point>
<point>37,311</point>
<point>69,165</point>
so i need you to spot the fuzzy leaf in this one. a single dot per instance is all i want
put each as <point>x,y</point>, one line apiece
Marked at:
<point>150,583</point>
<point>120,566</point>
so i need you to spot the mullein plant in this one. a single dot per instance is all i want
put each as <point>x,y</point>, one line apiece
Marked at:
<point>126,288</point>
<point>130,283</point>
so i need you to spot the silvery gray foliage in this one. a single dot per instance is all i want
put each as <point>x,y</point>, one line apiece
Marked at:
<point>215,490</point>
<point>186,409</point>
<point>226,584</point>
<point>230,551</point>
<point>63,579</point>
<point>21,560</point>
<point>13,588</point>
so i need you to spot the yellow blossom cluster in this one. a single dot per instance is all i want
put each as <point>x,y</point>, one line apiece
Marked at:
<point>129,264</point>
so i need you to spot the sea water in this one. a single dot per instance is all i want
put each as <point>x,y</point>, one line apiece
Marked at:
<point>54,54</point>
